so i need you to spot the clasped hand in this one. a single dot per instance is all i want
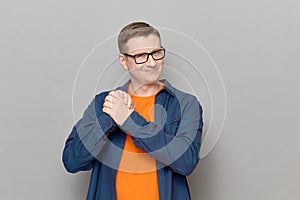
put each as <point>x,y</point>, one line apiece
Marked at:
<point>118,105</point>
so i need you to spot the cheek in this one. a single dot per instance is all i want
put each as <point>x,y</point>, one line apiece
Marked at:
<point>161,62</point>
<point>134,70</point>
<point>131,65</point>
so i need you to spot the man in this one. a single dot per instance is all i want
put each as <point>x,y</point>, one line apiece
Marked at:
<point>142,139</point>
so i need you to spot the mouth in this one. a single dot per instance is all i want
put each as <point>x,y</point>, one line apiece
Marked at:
<point>150,69</point>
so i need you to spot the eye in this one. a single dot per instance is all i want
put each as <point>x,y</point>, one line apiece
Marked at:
<point>157,53</point>
<point>141,56</point>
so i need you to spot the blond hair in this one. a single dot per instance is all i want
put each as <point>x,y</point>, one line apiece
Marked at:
<point>132,30</point>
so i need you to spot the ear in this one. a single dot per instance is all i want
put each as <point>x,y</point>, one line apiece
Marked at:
<point>123,62</point>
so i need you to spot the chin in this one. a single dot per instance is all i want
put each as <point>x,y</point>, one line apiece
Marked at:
<point>152,81</point>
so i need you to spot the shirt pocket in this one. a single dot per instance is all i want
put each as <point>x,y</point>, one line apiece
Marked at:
<point>172,124</point>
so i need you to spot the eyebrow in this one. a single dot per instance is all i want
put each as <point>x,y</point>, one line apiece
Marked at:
<point>145,52</point>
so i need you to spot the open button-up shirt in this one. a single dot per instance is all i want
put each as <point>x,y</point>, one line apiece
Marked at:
<point>173,139</point>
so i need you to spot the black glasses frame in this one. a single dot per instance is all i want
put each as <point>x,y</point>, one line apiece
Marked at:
<point>148,54</point>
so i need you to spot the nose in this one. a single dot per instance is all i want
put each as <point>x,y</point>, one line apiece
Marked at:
<point>151,62</point>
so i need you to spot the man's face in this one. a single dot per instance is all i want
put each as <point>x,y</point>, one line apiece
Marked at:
<point>148,72</point>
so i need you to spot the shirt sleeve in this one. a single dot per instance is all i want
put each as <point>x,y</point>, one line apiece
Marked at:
<point>179,151</point>
<point>88,137</point>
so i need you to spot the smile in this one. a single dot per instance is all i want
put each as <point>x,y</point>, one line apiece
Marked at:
<point>150,69</point>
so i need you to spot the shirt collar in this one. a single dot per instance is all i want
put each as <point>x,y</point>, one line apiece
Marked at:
<point>167,87</point>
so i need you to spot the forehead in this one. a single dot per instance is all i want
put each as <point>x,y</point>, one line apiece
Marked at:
<point>142,44</point>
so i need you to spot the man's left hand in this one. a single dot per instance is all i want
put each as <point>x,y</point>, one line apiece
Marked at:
<point>115,106</point>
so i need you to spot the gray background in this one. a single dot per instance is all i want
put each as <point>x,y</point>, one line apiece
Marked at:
<point>254,43</point>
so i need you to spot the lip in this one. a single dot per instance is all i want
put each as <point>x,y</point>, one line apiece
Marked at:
<point>150,69</point>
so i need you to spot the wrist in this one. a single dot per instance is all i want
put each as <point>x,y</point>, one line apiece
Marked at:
<point>126,117</point>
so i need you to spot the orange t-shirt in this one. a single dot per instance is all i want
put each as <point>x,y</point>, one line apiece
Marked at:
<point>136,177</point>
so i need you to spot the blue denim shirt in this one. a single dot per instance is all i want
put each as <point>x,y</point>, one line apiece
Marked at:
<point>173,139</point>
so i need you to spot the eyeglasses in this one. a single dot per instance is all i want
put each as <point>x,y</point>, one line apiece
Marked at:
<point>143,57</point>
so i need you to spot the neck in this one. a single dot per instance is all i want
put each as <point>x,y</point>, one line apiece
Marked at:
<point>144,89</point>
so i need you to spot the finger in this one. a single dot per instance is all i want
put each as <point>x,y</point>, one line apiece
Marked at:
<point>107,104</point>
<point>124,95</point>
<point>120,93</point>
<point>107,111</point>
<point>129,100</point>
<point>113,98</point>
<point>126,98</point>
<point>114,95</point>
<point>129,103</point>
<point>131,106</point>
<point>108,98</point>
